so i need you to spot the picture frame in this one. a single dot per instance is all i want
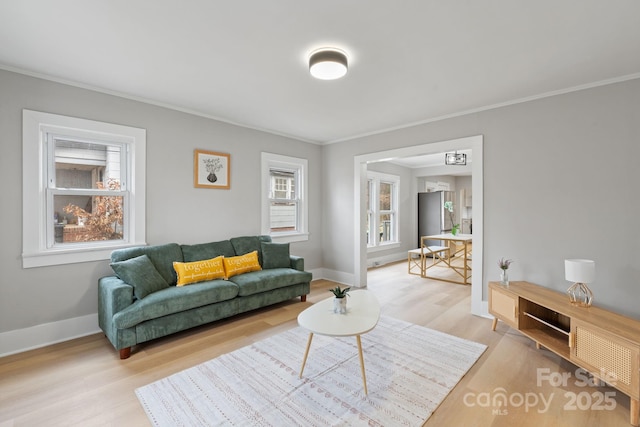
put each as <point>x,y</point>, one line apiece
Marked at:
<point>211,169</point>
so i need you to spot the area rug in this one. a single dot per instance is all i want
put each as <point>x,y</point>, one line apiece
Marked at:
<point>410,369</point>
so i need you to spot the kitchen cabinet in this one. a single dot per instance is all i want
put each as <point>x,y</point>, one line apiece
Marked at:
<point>467,198</point>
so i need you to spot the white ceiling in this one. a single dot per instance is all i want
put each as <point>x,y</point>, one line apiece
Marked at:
<point>431,160</point>
<point>245,61</point>
<point>435,162</point>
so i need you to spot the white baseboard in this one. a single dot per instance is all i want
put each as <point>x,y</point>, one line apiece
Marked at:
<point>316,273</point>
<point>481,309</point>
<point>20,340</point>
<point>485,310</point>
<point>38,336</point>
<point>335,276</point>
<point>386,259</point>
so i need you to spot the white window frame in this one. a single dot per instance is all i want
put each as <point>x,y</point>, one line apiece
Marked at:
<point>300,166</point>
<point>374,179</point>
<point>37,224</point>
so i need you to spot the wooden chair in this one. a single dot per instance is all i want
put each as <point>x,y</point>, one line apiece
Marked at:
<point>417,258</point>
<point>415,261</point>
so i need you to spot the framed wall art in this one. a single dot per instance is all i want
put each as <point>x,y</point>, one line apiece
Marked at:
<point>211,169</point>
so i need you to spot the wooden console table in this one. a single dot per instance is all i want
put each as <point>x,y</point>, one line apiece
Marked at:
<point>605,344</point>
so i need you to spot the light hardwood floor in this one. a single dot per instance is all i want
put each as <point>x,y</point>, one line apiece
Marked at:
<point>83,383</point>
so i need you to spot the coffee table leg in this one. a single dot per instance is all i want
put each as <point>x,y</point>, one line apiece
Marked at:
<point>306,353</point>
<point>364,377</point>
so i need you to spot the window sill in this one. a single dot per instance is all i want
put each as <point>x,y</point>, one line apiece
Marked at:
<point>289,238</point>
<point>383,247</point>
<point>71,256</point>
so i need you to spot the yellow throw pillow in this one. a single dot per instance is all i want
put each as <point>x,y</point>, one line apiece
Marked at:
<point>241,264</point>
<point>199,271</point>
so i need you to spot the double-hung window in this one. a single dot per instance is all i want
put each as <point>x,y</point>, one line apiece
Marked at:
<point>83,189</point>
<point>382,209</point>
<point>87,192</point>
<point>284,190</point>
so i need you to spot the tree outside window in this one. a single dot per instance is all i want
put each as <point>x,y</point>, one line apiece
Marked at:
<point>85,187</point>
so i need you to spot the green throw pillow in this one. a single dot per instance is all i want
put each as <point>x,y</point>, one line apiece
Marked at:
<point>275,255</point>
<point>244,245</point>
<point>140,273</point>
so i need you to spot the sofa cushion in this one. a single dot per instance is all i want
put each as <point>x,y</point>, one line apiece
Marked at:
<point>140,273</point>
<point>275,255</point>
<point>267,280</point>
<point>199,271</point>
<point>174,300</point>
<point>210,250</point>
<point>162,257</point>
<point>244,245</point>
<point>241,264</point>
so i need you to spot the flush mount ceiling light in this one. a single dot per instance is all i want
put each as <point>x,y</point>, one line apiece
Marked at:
<point>328,64</point>
<point>455,159</point>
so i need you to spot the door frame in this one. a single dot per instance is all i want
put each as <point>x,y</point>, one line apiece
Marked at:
<point>475,143</point>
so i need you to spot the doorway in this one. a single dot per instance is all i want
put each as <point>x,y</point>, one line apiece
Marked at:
<point>475,143</point>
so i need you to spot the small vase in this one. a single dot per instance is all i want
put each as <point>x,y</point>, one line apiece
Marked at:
<point>454,230</point>
<point>340,305</point>
<point>504,277</point>
<point>212,177</point>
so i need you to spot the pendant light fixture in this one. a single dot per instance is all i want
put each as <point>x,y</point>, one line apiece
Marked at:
<point>328,64</point>
<point>456,158</point>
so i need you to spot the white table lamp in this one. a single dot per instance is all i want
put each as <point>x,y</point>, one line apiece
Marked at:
<point>581,272</point>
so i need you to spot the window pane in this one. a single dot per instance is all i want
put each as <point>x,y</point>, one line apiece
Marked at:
<point>87,218</point>
<point>385,196</point>
<point>283,184</point>
<point>283,216</point>
<point>382,191</point>
<point>385,228</point>
<point>84,165</point>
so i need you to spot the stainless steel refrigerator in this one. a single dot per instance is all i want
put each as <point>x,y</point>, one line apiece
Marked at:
<point>433,218</point>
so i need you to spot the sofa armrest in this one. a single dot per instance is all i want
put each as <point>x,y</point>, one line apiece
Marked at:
<point>114,295</point>
<point>297,262</point>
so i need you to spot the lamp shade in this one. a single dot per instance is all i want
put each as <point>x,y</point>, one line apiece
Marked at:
<point>328,64</point>
<point>579,270</point>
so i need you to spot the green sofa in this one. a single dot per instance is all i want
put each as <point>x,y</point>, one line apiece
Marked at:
<point>141,302</point>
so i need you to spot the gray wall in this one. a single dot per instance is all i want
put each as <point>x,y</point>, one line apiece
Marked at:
<point>176,211</point>
<point>560,181</point>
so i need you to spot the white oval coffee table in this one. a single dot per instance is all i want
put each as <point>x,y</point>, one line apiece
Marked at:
<point>363,312</point>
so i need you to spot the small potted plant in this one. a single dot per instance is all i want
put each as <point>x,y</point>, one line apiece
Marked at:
<point>340,300</point>
<point>454,227</point>
<point>504,266</point>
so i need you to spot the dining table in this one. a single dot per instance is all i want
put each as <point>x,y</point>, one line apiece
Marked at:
<point>454,241</point>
